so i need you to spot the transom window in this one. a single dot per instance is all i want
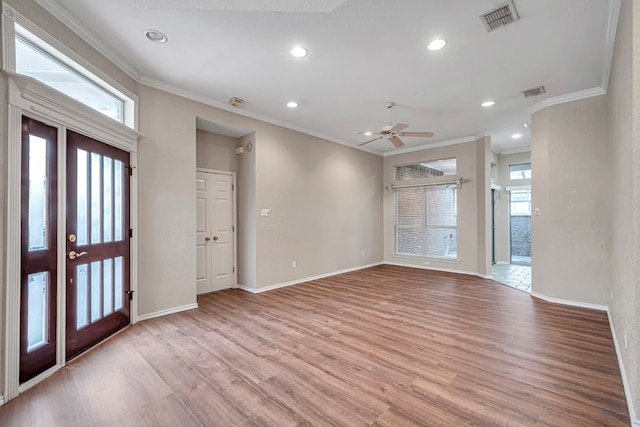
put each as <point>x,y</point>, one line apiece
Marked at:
<point>37,59</point>
<point>518,172</point>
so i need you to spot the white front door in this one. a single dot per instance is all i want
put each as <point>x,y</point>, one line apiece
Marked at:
<point>215,253</point>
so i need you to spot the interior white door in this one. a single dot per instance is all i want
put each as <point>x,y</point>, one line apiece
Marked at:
<point>215,251</point>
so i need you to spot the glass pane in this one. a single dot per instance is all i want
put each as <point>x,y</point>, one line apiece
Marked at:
<point>107,287</point>
<point>118,187</point>
<point>32,61</point>
<point>38,196</point>
<point>108,199</point>
<point>96,294</point>
<point>83,207</point>
<point>82,296</point>
<point>441,207</point>
<point>522,171</point>
<point>96,194</point>
<point>410,207</point>
<point>118,276</point>
<point>410,241</point>
<point>442,242</point>
<point>442,167</point>
<point>37,324</point>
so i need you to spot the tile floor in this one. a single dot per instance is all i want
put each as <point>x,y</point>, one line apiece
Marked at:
<point>514,275</point>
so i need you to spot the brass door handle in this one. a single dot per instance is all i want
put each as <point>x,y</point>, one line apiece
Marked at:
<point>207,238</point>
<point>74,254</point>
<point>215,237</point>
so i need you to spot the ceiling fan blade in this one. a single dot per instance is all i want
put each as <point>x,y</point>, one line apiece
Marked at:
<point>422,134</point>
<point>396,141</point>
<point>371,140</point>
<point>398,127</point>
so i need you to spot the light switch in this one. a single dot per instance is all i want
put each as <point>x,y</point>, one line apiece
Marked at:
<point>537,211</point>
<point>266,212</point>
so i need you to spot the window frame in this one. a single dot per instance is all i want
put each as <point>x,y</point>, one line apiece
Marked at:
<point>425,227</point>
<point>519,170</point>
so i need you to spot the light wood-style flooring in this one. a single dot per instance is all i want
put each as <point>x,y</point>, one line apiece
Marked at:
<point>386,346</point>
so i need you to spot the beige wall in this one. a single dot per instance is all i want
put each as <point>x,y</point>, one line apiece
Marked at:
<point>473,163</point>
<point>570,185</point>
<point>247,213</point>
<point>503,243</point>
<point>217,152</point>
<point>625,199</point>
<point>325,202</point>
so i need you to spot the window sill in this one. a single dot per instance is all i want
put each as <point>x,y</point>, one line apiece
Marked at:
<point>429,259</point>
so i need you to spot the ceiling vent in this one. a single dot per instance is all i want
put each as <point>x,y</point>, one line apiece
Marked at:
<point>535,91</point>
<point>498,18</point>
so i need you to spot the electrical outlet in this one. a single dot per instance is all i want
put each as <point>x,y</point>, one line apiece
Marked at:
<point>427,263</point>
<point>265,212</point>
<point>625,339</point>
<point>363,252</point>
<point>294,264</point>
<point>611,295</point>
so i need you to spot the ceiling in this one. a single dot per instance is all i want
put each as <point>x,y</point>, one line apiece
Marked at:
<point>361,54</point>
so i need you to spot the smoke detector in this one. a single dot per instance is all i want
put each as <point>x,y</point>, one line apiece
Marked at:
<point>534,91</point>
<point>235,102</point>
<point>499,17</point>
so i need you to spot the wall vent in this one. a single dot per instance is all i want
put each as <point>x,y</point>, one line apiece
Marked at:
<point>498,18</point>
<point>534,91</point>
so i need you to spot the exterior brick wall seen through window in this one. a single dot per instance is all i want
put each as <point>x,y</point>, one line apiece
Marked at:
<point>521,235</point>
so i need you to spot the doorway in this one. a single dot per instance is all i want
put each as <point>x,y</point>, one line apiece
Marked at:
<point>520,226</point>
<point>94,251</point>
<point>215,231</point>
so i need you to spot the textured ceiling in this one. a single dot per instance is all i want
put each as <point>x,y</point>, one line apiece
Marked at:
<point>362,53</point>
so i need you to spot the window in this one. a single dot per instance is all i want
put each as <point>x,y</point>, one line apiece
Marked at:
<point>522,171</point>
<point>37,59</point>
<point>426,221</point>
<point>432,169</point>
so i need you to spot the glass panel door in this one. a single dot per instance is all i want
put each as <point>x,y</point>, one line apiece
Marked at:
<point>38,249</point>
<point>97,242</point>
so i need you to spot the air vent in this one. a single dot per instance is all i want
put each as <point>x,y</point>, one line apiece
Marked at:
<point>236,102</point>
<point>497,18</point>
<point>535,91</point>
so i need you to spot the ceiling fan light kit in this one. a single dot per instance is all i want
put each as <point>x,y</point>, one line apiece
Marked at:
<point>393,132</point>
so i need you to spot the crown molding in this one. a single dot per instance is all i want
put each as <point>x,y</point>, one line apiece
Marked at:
<point>86,35</point>
<point>516,151</point>
<point>157,84</point>
<point>612,28</point>
<point>575,96</point>
<point>434,145</point>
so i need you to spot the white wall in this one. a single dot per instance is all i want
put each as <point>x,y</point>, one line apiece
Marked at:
<point>474,245</point>
<point>571,186</point>
<point>625,198</point>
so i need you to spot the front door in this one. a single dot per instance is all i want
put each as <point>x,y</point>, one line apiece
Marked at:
<point>97,242</point>
<point>215,252</point>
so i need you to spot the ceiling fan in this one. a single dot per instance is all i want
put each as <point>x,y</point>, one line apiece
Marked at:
<point>393,132</point>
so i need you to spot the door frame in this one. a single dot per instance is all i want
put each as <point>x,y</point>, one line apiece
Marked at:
<point>234,215</point>
<point>27,97</point>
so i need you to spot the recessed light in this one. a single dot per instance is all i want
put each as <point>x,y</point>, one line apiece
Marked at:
<point>516,136</point>
<point>368,133</point>
<point>488,103</point>
<point>155,36</point>
<point>525,125</point>
<point>298,52</point>
<point>437,44</point>
<point>292,104</point>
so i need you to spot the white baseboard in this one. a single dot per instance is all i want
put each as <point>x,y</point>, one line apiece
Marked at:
<point>306,279</point>
<point>627,392</point>
<point>446,270</point>
<point>569,302</point>
<point>166,312</point>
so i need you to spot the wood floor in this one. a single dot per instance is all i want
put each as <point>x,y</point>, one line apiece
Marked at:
<point>386,346</point>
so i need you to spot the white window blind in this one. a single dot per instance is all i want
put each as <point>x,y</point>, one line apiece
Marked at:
<point>426,221</point>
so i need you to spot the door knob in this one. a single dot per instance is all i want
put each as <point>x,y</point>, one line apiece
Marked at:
<point>215,237</point>
<point>74,254</point>
<point>207,238</point>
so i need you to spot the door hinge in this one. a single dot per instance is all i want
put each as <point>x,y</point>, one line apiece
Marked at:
<point>233,187</point>
<point>130,293</point>
<point>234,269</point>
<point>130,232</point>
<point>130,169</point>
<point>233,228</point>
